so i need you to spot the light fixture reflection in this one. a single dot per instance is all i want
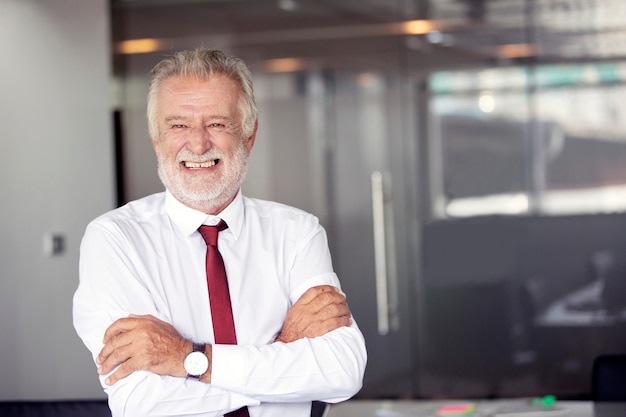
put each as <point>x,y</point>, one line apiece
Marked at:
<point>284,65</point>
<point>486,102</point>
<point>417,27</point>
<point>138,46</point>
<point>517,50</point>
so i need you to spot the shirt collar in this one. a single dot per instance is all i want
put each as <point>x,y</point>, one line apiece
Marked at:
<point>189,220</point>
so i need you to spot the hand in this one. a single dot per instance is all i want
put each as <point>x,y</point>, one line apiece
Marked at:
<point>319,310</point>
<point>142,343</point>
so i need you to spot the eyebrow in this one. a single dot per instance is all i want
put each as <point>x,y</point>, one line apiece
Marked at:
<point>170,119</point>
<point>217,117</point>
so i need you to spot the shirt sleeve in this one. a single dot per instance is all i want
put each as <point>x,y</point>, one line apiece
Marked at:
<point>327,368</point>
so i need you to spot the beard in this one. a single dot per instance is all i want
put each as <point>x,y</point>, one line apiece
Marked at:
<point>201,192</point>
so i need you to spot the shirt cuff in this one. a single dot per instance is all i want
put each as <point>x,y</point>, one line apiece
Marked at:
<point>228,367</point>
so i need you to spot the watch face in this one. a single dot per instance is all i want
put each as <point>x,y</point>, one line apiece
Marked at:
<point>196,363</point>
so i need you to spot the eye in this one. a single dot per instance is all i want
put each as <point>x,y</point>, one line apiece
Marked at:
<point>178,126</point>
<point>216,126</point>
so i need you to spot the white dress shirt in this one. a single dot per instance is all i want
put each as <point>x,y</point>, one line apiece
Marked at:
<point>148,258</point>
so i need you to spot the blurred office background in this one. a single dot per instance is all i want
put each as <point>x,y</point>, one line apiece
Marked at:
<point>467,157</point>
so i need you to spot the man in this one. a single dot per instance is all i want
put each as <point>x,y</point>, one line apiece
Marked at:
<point>144,305</point>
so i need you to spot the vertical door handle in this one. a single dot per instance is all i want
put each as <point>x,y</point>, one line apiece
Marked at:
<point>384,253</point>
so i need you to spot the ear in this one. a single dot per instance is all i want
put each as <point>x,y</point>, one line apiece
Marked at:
<point>155,145</point>
<point>250,140</point>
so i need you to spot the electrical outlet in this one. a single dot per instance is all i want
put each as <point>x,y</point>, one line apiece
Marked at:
<point>53,244</point>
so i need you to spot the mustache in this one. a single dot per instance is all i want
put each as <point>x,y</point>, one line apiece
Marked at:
<point>186,155</point>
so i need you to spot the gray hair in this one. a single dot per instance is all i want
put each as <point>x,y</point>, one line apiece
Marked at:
<point>204,63</point>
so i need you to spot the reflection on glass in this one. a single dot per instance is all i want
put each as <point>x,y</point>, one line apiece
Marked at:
<point>553,134</point>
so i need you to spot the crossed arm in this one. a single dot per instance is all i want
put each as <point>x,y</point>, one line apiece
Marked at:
<point>146,343</point>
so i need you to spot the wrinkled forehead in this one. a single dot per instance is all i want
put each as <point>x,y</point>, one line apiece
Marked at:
<point>216,92</point>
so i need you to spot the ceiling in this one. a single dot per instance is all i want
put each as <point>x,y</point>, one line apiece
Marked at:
<point>375,33</point>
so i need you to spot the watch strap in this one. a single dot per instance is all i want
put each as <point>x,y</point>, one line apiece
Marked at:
<point>199,347</point>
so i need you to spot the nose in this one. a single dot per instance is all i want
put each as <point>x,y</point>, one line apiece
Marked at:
<point>199,140</point>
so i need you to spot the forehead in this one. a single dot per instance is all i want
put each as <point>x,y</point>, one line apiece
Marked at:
<point>214,93</point>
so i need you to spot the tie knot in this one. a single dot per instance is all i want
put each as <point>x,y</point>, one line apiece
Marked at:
<point>209,233</point>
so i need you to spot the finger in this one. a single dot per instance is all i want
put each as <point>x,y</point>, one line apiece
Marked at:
<point>334,310</point>
<point>127,324</point>
<point>148,317</point>
<point>326,298</point>
<point>119,326</point>
<point>115,358</point>
<point>326,288</point>
<point>335,323</point>
<point>322,327</point>
<point>105,352</point>
<point>115,341</point>
<point>123,371</point>
<point>313,292</point>
<point>308,296</point>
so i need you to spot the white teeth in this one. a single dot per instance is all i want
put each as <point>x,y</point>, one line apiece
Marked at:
<point>196,165</point>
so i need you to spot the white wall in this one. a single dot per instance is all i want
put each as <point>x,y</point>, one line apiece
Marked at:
<point>56,174</point>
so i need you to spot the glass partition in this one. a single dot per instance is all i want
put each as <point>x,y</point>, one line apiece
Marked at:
<point>488,134</point>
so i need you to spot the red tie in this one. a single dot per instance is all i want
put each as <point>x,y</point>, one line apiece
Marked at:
<point>219,297</point>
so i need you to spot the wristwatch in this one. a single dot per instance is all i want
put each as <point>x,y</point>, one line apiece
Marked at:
<point>196,363</point>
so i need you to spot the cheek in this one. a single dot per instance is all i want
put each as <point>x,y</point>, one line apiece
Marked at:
<point>167,149</point>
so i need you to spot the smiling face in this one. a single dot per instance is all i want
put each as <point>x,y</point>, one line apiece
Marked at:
<point>202,156</point>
